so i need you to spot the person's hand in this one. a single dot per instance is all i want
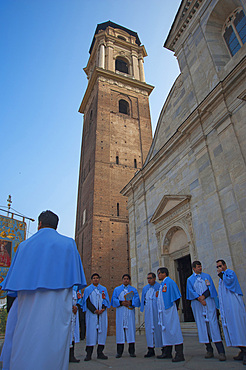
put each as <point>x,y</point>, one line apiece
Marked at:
<point>201,298</point>
<point>126,303</point>
<point>101,311</point>
<point>75,309</point>
<point>204,303</point>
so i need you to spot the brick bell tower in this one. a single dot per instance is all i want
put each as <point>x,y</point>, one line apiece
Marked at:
<point>116,138</point>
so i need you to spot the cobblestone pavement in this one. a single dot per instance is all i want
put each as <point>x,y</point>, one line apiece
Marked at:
<point>193,350</point>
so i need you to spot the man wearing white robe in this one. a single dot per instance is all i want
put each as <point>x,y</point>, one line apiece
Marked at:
<point>75,337</point>
<point>95,304</point>
<point>42,275</point>
<point>149,305</point>
<point>168,300</point>
<point>203,296</point>
<point>232,309</point>
<point>125,298</point>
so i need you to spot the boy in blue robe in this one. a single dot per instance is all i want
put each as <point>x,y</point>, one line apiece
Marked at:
<point>149,305</point>
<point>168,300</point>
<point>95,303</point>
<point>203,296</point>
<point>125,298</point>
<point>232,309</point>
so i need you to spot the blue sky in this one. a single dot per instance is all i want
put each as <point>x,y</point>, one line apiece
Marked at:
<point>44,47</point>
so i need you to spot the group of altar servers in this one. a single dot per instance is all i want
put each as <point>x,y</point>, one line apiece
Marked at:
<point>160,302</point>
<point>45,274</point>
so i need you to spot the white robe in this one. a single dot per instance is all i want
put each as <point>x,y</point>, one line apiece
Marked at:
<point>96,325</point>
<point>9,332</point>
<point>75,337</point>
<point>44,318</point>
<point>152,329</point>
<point>125,322</point>
<point>205,316</point>
<point>169,323</point>
<point>233,316</point>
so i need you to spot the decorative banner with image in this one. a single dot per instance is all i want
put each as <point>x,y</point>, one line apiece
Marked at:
<point>12,233</point>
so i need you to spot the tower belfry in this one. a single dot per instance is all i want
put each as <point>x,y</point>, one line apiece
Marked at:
<point>116,138</point>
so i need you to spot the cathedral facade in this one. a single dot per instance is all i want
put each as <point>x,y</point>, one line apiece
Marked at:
<point>188,201</point>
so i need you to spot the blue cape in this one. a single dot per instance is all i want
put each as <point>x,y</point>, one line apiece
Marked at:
<point>231,282</point>
<point>172,293</point>
<point>115,300</point>
<point>90,289</point>
<point>47,260</point>
<point>192,294</point>
<point>144,291</point>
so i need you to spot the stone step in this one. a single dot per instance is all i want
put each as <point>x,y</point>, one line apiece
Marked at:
<point>189,329</point>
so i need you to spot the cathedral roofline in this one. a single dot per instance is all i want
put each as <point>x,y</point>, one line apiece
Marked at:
<point>185,13</point>
<point>103,26</point>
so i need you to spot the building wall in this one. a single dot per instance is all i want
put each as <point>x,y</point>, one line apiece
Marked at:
<point>198,152</point>
<point>108,134</point>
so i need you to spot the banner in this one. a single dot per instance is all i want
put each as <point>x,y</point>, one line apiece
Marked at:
<point>12,233</point>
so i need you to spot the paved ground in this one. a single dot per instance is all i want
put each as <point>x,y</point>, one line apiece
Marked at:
<point>193,350</point>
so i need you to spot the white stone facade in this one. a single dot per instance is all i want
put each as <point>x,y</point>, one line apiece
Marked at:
<point>190,196</point>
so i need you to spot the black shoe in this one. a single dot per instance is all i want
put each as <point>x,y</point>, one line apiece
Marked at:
<point>178,358</point>
<point>118,355</point>
<point>164,355</point>
<point>132,355</point>
<point>244,359</point>
<point>72,358</point>
<point>239,357</point>
<point>87,358</point>
<point>150,353</point>
<point>102,356</point>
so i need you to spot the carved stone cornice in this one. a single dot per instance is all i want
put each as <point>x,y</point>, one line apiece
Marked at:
<point>184,16</point>
<point>114,79</point>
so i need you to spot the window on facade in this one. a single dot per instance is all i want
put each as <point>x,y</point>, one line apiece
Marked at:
<point>84,217</point>
<point>121,37</point>
<point>135,163</point>
<point>121,65</point>
<point>118,209</point>
<point>234,31</point>
<point>124,107</point>
<point>117,159</point>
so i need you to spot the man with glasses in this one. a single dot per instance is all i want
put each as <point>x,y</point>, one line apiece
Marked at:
<point>203,296</point>
<point>232,310</point>
<point>149,304</point>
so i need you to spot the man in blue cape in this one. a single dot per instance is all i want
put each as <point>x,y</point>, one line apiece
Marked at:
<point>42,275</point>
<point>125,298</point>
<point>95,303</point>
<point>203,296</point>
<point>232,310</point>
<point>168,301</point>
<point>149,305</point>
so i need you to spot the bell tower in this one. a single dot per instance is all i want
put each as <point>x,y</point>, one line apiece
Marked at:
<point>116,138</point>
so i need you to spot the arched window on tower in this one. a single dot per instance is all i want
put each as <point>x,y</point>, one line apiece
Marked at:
<point>124,107</point>
<point>234,31</point>
<point>121,65</point>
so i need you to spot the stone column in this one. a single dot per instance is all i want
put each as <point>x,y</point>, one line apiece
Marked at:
<point>110,60</point>
<point>135,66</point>
<point>102,56</point>
<point>141,68</point>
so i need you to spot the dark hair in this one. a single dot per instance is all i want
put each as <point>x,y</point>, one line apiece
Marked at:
<point>195,263</point>
<point>163,270</point>
<point>222,261</point>
<point>48,219</point>
<point>153,274</point>
<point>127,276</point>
<point>95,274</point>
